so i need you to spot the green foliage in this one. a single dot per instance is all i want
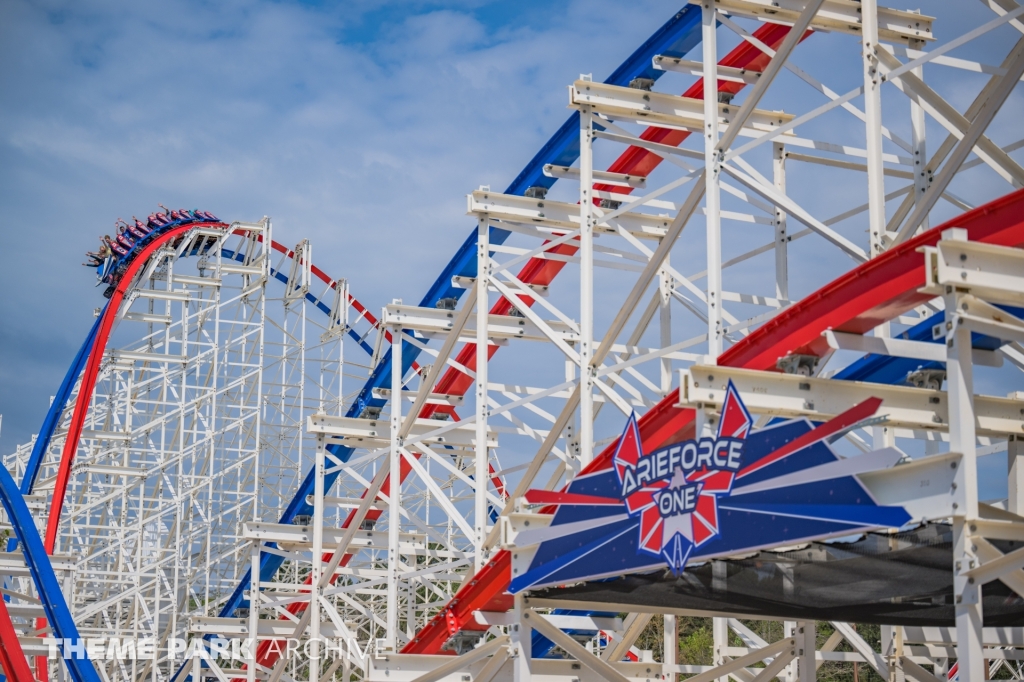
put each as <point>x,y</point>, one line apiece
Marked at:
<point>696,645</point>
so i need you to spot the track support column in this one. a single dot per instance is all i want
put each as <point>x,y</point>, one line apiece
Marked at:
<point>873,126</point>
<point>254,611</point>
<point>1015,466</point>
<point>394,491</point>
<point>665,285</point>
<point>671,649</point>
<point>483,274</point>
<point>586,286</point>
<point>960,389</point>
<point>807,645</point>
<point>712,165</point>
<point>922,177</point>
<point>720,640</point>
<point>520,638</point>
<point>316,573</point>
<point>781,235</point>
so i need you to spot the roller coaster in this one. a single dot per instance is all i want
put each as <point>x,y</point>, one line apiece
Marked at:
<point>241,452</point>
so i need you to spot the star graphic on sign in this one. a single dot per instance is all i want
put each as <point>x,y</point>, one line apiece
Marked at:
<point>674,536</point>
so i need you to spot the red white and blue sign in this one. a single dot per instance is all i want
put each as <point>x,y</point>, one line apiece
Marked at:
<point>743,489</point>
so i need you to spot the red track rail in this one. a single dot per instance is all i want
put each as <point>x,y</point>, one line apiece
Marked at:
<point>92,369</point>
<point>12,657</point>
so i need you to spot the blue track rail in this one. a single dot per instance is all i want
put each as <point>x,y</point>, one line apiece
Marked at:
<point>56,609</point>
<point>42,444</point>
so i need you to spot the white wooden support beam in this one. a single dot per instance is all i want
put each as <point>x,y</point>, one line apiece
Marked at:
<point>915,672</point>
<point>395,489</point>
<point>497,662</point>
<point>943,636</point>
<point>197,281</point>
<point>604,177</point>
<point>995,568</point>
<point>656,263</point>
<point>998,529</point>
<point>987,552</point>
<point>984,318</point>
<point>368,433</point>
<point>989,272</point>
<point>560,214</point>
<point>239,269</point>
<point>979,124</point>
<point>301,537</point>
<point>1015,469</point>
<point>149,318</point>
<point>710,128</point>
<point>771,71</point>
<point>434,321</point>
<point>239,627</point>
<point>573,648</point>
<point>872,657</point>
<point>463,282</point>
<point>635,625</point>
<point>793,209</point>
<point>873,126</point>
<point>785,646</point>
<point>317,558</point>
<point>963,408</point>
<point>671,643</point>
<point>440,362</point>
<point>835,15</point>
<point>692,68</point>
<point>481,479</point>
<point>954,122</point>
<point>520,638</point>
<point>774,667</point>
<point>255,600</point>
<point>903,348</point>
<point>300,273</point>
<point>161,294</point>
<point>457,663</point>
<point>505,618</point>
<point>779,156</point>
<point>669,111</point>
<point>790,395</point>
<point>429,398</point>
<point>587,224</point>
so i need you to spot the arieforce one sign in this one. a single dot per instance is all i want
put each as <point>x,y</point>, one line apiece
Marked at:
<point>674,491</point>
<point>741,490</point>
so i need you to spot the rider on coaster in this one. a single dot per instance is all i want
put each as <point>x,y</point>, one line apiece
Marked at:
<point>129,234</point>
<point>114,246</point>
<point>124,239</point>
<point>131,228</point>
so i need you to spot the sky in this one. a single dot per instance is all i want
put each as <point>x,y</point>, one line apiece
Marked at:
<point>359,125</point>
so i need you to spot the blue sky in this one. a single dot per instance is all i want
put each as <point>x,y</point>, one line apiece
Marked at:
<point>360,125</point>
